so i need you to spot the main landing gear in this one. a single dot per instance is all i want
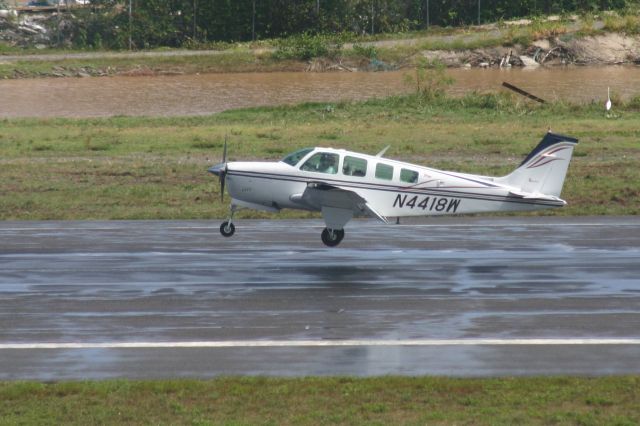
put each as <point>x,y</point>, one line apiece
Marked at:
<point>334,219</point>
<point>227,228</point>
<point>332,237</point>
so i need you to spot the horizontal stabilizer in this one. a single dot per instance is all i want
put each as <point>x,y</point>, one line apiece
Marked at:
<point>537,196</point>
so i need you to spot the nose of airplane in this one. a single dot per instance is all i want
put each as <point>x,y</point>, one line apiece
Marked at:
<point>218,169</point>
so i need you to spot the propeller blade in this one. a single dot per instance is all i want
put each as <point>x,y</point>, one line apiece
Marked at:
<point>224,171</point>
<point>224,151</point>
<point>220,169</point>
<point>222,180</point>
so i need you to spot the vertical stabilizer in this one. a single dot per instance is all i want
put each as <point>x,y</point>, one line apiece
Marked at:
<point>544,169</point>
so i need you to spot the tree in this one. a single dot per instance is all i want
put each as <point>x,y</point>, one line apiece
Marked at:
<point>175,22</point>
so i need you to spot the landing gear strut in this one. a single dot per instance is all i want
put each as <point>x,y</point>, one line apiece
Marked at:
<point>332,237</point>
<point>227,228</point>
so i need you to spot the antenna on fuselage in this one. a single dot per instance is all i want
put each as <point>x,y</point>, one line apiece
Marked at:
<point>381,153</point>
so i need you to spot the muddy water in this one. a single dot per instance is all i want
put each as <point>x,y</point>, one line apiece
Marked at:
<point>211,93</point>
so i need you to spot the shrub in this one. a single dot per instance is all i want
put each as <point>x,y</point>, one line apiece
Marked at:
<point>307,46</point>
<point>368,51</point>
<point>430,79</point>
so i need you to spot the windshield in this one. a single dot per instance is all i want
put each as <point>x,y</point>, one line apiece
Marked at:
<point>294,158</point>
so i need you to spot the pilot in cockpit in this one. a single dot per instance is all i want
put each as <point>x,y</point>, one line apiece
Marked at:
<point>328,164</point>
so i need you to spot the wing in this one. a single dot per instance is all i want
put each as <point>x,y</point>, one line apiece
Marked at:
<point>336,200</point>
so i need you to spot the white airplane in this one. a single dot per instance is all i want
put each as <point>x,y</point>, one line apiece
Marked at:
<point>342,184</point>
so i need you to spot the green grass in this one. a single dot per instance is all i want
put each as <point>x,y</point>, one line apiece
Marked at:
<point>155,168</point>
<point>628,24</point>
<point>331,400</point>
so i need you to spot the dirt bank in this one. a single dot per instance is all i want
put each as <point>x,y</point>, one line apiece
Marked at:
<point>606,49</point>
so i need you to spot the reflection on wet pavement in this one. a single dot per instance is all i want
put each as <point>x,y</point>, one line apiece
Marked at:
<point>439,279</point>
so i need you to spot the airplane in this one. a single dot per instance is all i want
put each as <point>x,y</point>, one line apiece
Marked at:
<point>343,184</point>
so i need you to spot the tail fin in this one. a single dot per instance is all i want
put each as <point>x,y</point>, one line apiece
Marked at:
<point>544,169</point>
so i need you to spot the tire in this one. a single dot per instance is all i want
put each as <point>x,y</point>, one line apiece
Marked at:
<point>227,232</point>
<point>338,235</point>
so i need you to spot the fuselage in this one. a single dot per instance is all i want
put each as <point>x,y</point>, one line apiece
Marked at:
<point>392,188</point>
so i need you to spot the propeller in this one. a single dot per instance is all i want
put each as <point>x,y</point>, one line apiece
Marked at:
<point>220,169</point>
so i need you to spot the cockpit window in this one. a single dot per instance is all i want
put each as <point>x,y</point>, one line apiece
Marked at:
<point>295,157</point>
<point>322,162</point>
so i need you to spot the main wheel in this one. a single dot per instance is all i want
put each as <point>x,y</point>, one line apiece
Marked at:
<point>332,238</point>
<point>227,229</point>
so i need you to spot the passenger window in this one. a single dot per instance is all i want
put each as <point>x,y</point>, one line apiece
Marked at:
<point>354,166</point>
<point>408,176</point>
<point>322,162</point>
<point>384,171</point>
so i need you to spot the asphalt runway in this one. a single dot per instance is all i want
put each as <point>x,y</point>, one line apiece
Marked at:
<point>441,296</point>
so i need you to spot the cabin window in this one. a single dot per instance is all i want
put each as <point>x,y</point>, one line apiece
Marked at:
<point>354,166</point>
<point>322,162</point>
<point>408,176</point>
<point>384,171</point>
<point>295,157</point>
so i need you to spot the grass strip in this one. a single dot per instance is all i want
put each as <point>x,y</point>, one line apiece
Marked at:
<point>329,400</point>
<point>155,168</point>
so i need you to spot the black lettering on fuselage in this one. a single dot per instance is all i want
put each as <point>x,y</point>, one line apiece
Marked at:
<point>400,199</point>
<point>424,203</point>
<point>453,204</point>
<point>412,202</point>
<point>430,203</point>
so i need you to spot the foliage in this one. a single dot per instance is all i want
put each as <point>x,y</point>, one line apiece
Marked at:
<point>628,24</point>
<point>306,46</point>
<point>102,27</point>
<point>365,50</point>
<point>178,23</point>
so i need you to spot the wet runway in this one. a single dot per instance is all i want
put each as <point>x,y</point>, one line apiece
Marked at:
<point>443,296</point>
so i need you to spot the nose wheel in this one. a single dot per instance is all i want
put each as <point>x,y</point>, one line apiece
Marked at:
<point>332,237</point>
<point>227,228</point>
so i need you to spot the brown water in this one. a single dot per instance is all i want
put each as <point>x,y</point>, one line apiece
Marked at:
<point>211,93</point>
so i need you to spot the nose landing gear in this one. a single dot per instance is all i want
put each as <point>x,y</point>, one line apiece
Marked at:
<point>227,228</point>
<point>332,237</point>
